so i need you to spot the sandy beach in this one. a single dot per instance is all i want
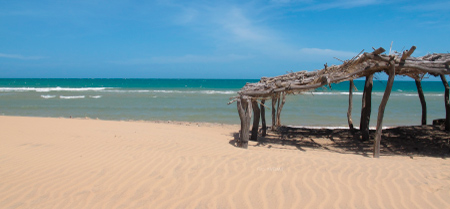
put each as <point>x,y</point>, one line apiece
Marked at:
<point>85,163</point>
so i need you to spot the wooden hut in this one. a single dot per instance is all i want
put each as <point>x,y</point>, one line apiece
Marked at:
<point>251,98</point>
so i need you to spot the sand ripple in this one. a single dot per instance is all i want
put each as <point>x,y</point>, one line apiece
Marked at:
<point>72,163</point>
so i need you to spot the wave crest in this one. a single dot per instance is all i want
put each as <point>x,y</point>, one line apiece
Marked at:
<point>51,89</point>
<point>48,96</point>
<point>72,97</point>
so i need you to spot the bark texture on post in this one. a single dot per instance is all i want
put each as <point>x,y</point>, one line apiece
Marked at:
<point>422,102</point>
<point>366,108</point>
<point>280,107</point>
<point>274,111</point>
<point>263,118</point>
<point>387,93</point>
<point>447,105</point>
<point>244,107</point>
<point>350,105</point>
<point>256,116</point>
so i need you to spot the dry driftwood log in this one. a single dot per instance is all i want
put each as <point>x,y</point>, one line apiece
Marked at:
<point>274,118</point>
<point>280,107</point>
<point>350,105</point>
<point>263,118</point>
<point>423,103</point>
<point>244,106</point>
<point>384,100</point>
<point>447,105</point>
<point>366,108</point>
<point>256,117</point>
<point>361,65</point>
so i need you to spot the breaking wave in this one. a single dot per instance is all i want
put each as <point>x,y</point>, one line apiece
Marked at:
<point>172,91</point>
<point>48,96</point>
<point>178,91</point>
<point>111,90</point>
<point>52,89</point>
<point>72,97</point>
<point>375,94</point>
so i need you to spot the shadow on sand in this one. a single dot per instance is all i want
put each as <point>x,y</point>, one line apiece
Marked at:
<point>411,141</point>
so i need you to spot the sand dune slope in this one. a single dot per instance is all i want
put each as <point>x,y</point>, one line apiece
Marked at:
<point>73,163</point>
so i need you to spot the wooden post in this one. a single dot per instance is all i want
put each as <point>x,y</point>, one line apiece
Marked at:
<point>366,108</point>
<point>350,105</point>
<point>447,105</point>
<point>263,118</point>
<point>274,109</point>
<point>241,113</point>
<point>280,107</point>
<point>256,116</point>
<point>422,102</point>
<point>245,113</point>
<point>387,93</point>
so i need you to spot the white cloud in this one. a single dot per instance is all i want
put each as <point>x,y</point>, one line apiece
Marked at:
<point>189,58</point>
<point>241,29</point>
<point>327,52</point>
<point>187,16</point>
<point>238,26</point>
<point>18,56</point>
<point>346,4</point>
<point>429,6</point>
<point>290,1</point>
<point>245,33</point>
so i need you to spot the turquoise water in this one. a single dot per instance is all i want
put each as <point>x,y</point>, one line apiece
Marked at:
<point>204,100</point>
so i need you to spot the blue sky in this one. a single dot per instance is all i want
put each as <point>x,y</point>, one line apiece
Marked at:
<point>207,39</point>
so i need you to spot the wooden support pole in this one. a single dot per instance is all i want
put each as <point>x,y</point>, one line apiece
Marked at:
<point>350,105</point>
<point>387,93</point>
<point>447,105</point>
<point>241,113</point>
<point>366,108</point>
<point>422,102</point>
<point>256,117</point>
<point>274,109</point>
<point>244,107</point>
<point>263,118</point>
<point>247,124</point>
<point>280,107</point>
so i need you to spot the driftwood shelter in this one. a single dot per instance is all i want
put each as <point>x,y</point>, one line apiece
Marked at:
<point>251,98</point>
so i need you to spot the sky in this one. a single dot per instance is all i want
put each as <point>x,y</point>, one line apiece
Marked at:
<point>208,39</point>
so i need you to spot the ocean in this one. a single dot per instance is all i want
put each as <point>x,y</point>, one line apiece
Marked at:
<point>205,100</point>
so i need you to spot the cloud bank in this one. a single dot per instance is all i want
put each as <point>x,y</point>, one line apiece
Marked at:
<point>21,57</point>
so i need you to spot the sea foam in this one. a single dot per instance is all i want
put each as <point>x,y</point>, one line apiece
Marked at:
<point>48,96</point>
<point>395,94</point>
<point>171,91</point>
<point>72,97</point>
<point>52,89</point>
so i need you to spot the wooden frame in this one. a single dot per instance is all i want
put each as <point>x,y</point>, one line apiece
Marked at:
<point>362,65</point>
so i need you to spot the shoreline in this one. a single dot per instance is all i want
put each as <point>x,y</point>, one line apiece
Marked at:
<point>175,122</point>
<point>202,123</point>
